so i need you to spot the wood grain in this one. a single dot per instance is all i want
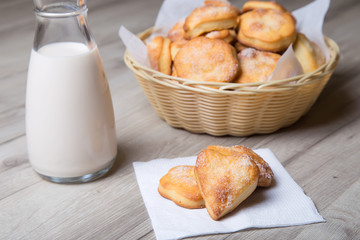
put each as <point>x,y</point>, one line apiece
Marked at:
<point>320,151</point>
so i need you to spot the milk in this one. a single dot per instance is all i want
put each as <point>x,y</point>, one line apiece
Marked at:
<point>69,114</point>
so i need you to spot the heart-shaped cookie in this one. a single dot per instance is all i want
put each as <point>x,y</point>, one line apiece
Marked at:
<point>225,180</point>
<point>179,185</point>
<point>266,174</point>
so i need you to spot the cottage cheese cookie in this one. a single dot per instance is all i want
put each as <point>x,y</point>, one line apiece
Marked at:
<point>205,59</point>
<point>225,180</point>
<point>165,57</point>
<point>308,53</point>
<point>251,5</point>
<point>154,51</point>
<point>209,18</point>
<point>176,46</point>
<point>179,185</point>
<point>255,65</point>
<point>226,35</point>
<point>219,3</point>
<point>266,175</point>
<point>267,29</point>
<point>176,33</point>
<point>159,54</point>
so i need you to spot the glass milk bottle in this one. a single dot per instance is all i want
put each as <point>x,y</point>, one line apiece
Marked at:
<point>69,114</point>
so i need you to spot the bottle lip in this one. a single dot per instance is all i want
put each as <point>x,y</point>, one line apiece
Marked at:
<point>60,10</point>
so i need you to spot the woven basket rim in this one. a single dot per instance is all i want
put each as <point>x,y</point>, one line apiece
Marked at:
<point>234,88</point>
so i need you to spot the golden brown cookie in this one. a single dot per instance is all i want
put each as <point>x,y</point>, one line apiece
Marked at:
<point>176,33</point>
<point>205,59</point>
<point>255,65</point>
<point>226,35</point>
<point>251,5</point>
<point>267,29</point>
<point>176,46</point>
<point>218,3</point>
<point>209,18</point>
<point>154,51</point>
<point>179,185</point>
<point>159,54</point>
<point>225,180</point>
<point>308,53</point>
<point>165,57</point>
<point>266,174</point>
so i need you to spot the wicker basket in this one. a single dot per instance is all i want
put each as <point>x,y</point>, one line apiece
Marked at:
<point>232,109</point>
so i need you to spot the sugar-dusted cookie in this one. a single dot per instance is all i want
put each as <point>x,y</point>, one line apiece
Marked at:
<point>176,33</point>
<point>154,50</point>
<point>267,29</point>
<point>218,3</point>
<point>225,180</point>
<point>308,53</point>
<point>256,65</point>
<point>227,35</point>
<point>176,46</point>
<point>179,185</point>
<point>251,5</point>
<point>159,54</point>
<point>210,17</point>
<point>205,59</point>
<point>266,174</point>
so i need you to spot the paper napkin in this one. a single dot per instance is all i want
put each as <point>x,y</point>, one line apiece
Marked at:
<point>282,204</point>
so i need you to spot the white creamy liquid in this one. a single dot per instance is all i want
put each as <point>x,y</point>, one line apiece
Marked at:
<point>69,114</point>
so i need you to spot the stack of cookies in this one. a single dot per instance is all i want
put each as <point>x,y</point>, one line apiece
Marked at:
<point>221,179</point>
<point>218,42</point>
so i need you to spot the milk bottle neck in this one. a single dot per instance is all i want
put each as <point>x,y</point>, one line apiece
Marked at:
<point>61,21</point>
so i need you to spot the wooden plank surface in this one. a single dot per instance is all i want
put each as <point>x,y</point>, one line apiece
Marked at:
<point>320,151</point>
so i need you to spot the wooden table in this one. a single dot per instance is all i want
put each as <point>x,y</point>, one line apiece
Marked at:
<point>321,151</point>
